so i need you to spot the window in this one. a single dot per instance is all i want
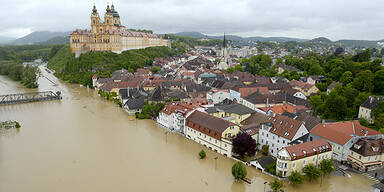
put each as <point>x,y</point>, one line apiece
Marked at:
<point>94,21</point>
<point>369,158</point>
<point>351,152</point>
<point>107,20</point>
<point>304,162</point>
<point>313,160</point>
<point>293,165</point>
<point>284,141</point>
<point>360,157</point>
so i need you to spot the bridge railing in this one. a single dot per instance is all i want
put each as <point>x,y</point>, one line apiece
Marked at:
<point>29,97</point>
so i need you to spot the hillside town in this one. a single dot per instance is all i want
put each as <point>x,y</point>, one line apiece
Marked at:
<point>207,104</point>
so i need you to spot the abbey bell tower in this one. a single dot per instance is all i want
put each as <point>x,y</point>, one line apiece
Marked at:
<point>95,19</point>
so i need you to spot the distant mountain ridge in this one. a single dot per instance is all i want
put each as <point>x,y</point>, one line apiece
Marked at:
<point>323,40</point>
<point>41,37</point>
<point>199,35</point>
<point>5,40</point>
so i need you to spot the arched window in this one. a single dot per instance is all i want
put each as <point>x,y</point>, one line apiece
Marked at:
<point>107,20</point>
<point>94,21</point>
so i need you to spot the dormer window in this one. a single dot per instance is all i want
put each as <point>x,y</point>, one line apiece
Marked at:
<point>291,126</point>
<point>281,122</point>
<point>305,153</point>
<point>314,150</point>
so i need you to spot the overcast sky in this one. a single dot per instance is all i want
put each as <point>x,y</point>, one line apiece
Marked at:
<point>334,19</point>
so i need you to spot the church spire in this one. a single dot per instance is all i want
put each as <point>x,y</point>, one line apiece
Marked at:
<point>224,42</point>
<point>94,10</point>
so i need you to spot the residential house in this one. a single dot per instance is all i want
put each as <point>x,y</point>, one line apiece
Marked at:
<point>342,135</point>
<point>173,116</point>
<point>306,88</point>
<point>332,86</point>
<point>134,105</point>
<point>235,113</point>
<point>365,110</point>
<point>251,130</point>
<point>262,162</point>
<point>283,67</point>
<point>313,79</point>
<point>238,92</point>
<point>212,132</point>
<point>367,154</point>
<point>218,95</point>
<point>296,157</point>
<point>278,131</point>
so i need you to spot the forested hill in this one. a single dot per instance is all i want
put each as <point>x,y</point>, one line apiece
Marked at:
<point>80,70</point>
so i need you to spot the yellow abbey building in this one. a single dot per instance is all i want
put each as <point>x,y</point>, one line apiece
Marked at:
<point>110,35</point>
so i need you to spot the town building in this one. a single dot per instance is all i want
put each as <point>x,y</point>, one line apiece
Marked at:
<point>365,110</point>
<point>111,35</point>
<point>282,67</point>
<point>306,88</point>
<point>367,154</point>
<point>173,116</point>
<point>218,95</point>
<point>212,132</point>
<point>342,136</point>
<point>279,131</point>
<point>235,113</point>
<point>296,157</point>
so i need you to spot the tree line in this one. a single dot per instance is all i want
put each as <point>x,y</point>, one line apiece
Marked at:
<point>80,70</point>
<point>18,72</point>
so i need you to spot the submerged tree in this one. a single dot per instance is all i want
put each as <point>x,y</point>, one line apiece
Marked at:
<point>239,171</point>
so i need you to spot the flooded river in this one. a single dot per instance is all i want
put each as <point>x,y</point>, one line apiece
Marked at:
<point>83,143</point>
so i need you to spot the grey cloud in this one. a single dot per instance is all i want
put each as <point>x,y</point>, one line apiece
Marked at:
<point>335,19</point>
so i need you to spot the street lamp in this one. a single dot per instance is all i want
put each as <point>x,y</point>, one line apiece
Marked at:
<point>166,138</point>
<point>265,183</point>
<point>215,160</point>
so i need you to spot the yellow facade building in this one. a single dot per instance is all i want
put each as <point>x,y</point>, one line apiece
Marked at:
<point>110,35</point>
<point>296,157</point>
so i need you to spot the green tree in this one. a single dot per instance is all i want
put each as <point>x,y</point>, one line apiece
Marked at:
<point>379,81</point>
<point>379,121</point>
<point>364,81</point>
<point>296,178</point>
<point>315,70</point>
<point>239,67</point>
<point>155,69</point>
<point>346,78</point>
<point>264,150</point>
<point>336,106</point>
<point>239,171</point>
<point>202,154</point>
<point>326,166</point>
<point>312,172</point>
<point>316,103</point>
<point>276,185</point>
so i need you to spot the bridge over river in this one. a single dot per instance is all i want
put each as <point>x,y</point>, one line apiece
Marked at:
<point>29,97</point>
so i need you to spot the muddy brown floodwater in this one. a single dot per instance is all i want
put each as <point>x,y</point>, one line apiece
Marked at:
<point>83,143</point>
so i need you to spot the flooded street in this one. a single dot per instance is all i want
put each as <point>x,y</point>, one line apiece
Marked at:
<point>83,143</point>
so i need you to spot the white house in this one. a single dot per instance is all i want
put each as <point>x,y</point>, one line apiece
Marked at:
<point>217,95</point>
<point>173,116</point>
<point>279,131</point>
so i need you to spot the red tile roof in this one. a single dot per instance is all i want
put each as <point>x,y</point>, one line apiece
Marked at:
<point>342,132</point>
<point>308,149</point>
<point>208,124</point>
<point>283,126</point>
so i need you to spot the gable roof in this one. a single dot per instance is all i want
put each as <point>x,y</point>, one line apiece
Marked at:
<point>208,121</point>
<point>372,102</point>
<point>342,132</point>
<point>283,126</point>
<point>308,149</point>
<point>231,108</point>
<point>369,147</point>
